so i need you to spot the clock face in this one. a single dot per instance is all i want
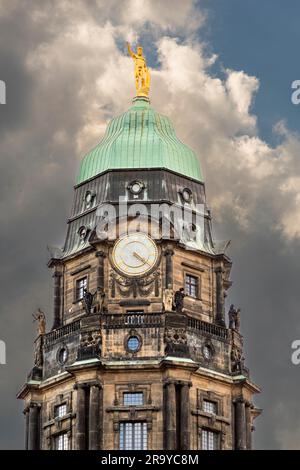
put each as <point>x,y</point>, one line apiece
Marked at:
<point>135,254</point>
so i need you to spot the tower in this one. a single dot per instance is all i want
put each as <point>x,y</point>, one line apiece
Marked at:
<point>139,355</point>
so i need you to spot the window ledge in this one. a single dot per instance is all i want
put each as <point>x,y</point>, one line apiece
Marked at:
<point>127,408</point>
<point>190,297</point>
<point>210,416</point>
<point>56,420</point>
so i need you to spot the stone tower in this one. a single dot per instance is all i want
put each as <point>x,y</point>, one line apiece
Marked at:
<point>139,355</point>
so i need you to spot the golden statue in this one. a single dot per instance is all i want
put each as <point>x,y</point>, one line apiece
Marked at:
<point>141,71</point>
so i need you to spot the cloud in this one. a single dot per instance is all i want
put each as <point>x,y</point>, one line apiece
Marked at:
<point>167,15</point>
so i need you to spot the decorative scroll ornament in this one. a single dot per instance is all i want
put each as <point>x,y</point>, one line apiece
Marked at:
<point>90,345</point>
<point>175,335</point>
<point>91,339</point>
<point>176,342</point>
<point>135,286</point>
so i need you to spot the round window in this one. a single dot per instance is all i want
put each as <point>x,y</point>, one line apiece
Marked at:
<point>187,195</point>
<point>88,198</point>
<point>136,187</point>
<point>82,232</point>
<point>207,352</point>
<point>62,356</point>
<point>133,343</point>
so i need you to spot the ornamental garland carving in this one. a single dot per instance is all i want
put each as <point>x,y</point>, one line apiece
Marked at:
<point>175,335</point>
<point>91,339</point>
<point>135,287</point>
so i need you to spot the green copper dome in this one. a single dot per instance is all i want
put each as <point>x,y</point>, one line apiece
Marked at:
<point>140,138</point>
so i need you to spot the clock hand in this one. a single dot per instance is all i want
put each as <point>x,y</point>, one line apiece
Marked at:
<point>141,258</point>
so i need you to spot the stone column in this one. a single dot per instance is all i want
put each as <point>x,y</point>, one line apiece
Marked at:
<point>94,418</point>
<point>57,299</point>
<point>169,268</point>
<point>80,433</point>
<point>248,426</point>
<point>33,427</point>
<point>26,413</point>
<point>185,417</point>
<point>240,424</point>
<point>170,416</point>
<point>220,314</point>
<point>100,270</point>
<point>101,417</point>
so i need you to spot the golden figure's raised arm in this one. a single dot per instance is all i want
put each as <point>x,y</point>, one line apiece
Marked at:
<point>130,51</point>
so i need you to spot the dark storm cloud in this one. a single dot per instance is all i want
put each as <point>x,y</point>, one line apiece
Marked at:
<point>59,61</point>
<point>33,202</point>
<point>265,284</point>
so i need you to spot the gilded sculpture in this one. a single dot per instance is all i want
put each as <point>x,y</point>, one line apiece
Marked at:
<point>141,71</point>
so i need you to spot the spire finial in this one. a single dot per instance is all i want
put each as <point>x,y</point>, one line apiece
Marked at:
<point>141,71</point>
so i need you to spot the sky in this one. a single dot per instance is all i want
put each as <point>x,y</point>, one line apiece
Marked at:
<point>222,71</point>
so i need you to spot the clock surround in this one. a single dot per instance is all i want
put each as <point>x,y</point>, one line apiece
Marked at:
<point>135,255</point>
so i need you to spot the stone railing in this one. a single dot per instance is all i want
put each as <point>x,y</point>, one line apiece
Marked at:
<point>65,330</point>
<point>210,328</point>
<point>137,320</point>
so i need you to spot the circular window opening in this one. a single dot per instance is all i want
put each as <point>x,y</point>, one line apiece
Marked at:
<point>136,187</point>
<point>88,198</point>
<point>187,195</point>
<point>133,343</point>
<point>207,352</point>
<point>82,232</point>
<point>62,356</point>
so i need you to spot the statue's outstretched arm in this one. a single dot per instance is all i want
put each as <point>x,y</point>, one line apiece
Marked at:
<point>130,51</point>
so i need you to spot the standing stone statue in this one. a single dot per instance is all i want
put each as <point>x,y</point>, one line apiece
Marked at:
<point>231,316</point>
<point>168,300</point>
<point>234,316</point>
<point>178,300</point>
<point>102,300</point>
<point>238,320</point>
<point>237,359</point>
<point>88,299</point>
<point>39,316</point>
<point>38,352</point>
